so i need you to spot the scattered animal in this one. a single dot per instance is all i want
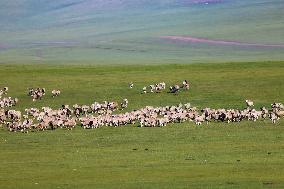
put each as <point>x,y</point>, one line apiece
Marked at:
<point>185,85</point>
<point>55,92</point>
<point>174,89</point>
<point>131,85</point>
<point>37,93</point>
<point>124,103</point>
<point>144,90</point>
<point>249,103</point>
<point>4,91</point>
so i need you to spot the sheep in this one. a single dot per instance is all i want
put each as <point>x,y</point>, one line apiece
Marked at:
<point>112,106</point>
<point>5,90</point>
<point>264,112</point>
<point>160,86</point>
<point>185,85</point>
<point>124,104</point>
<point>85,109</point>
<point>254,115</point>
<point>8,102</point>
<point>130,85</point>
<point>144,90</point>
<point>55,93</point>
<point>273,117</point>
<point>66,117</point>
<point>187,106</point>
<point>199,119</point>
<point>37,93</point>
<point>249,103</point>
<point>152,88</point>
<point>280,113</point>
<point>174,89</point>
<point>3,117</point>
<point>13,115</point>
<point>277,106</point>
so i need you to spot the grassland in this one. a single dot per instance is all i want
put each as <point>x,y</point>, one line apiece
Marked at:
<point>46,31</point>
<point>218,155</point>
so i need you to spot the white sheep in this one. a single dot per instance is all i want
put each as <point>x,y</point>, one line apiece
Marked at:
<point>249,103</point>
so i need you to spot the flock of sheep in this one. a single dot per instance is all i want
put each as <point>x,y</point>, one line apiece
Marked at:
<point>162,86</point>
<point>102,114</point>
<point>38,93</point>
<point>7,101</point>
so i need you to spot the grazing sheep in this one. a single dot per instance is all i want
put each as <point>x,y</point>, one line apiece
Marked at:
<point>13,115</point>
<point>5,90</point>
<point>8,102</point>
<point>55,93</point>
<point>160,86</point>
<point>101,114</point>
<point>185,85</point>
<point>174,89</point>
<point>264,112</point>
<point>37,93</point>
<point>199,120</point>
<point>249,103</point>
<point>124,104</point>
<point>280,113</point>
<point>273,117</point>
<point>131,85</point>
<point>187,106</point>
<point>152,88</point>
<point>277,106</point>
<point>144,90</point>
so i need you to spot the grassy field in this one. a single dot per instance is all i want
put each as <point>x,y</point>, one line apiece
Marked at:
<point>218,155</point>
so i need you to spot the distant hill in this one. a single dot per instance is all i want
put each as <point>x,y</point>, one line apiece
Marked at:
<point>132,31</point>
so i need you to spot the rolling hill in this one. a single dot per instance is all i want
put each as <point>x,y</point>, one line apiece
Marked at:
<point>132,31</point>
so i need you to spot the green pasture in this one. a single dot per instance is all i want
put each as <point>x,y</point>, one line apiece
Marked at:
<point>218,155</point>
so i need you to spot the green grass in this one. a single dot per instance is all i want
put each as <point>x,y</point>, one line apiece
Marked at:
<point>218,155</point>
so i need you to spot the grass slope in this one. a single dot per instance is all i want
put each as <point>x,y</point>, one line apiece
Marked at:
<point>82,30</point>
<point>218,155</point>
